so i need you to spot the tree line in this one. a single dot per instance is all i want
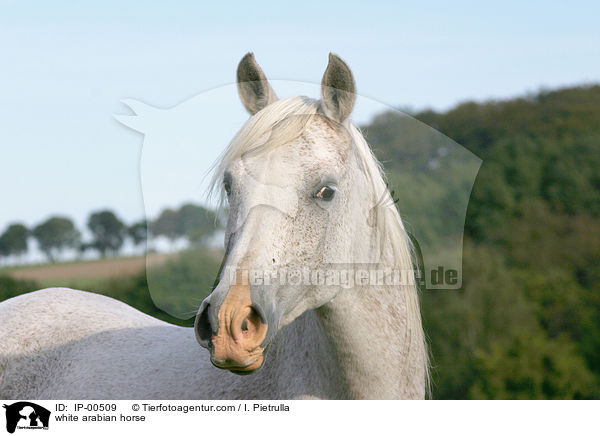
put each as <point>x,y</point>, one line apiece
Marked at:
<point>108,233</point>
<point>526,323</point>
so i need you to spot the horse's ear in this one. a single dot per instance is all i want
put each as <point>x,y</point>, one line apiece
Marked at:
<point>338,90</point>
<point>253,86</point>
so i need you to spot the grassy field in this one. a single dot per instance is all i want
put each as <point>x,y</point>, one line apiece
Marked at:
<point>91,274</point>
<point>167,286</point>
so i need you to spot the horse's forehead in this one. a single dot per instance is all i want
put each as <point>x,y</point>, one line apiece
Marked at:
<point>321,130</point>
<point>272,167</point>
<point>318,148</point>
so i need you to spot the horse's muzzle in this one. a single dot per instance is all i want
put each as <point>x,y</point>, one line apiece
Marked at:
<point>235,342</point>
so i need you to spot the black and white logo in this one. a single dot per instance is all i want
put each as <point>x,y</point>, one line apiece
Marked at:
<point>26,415</point>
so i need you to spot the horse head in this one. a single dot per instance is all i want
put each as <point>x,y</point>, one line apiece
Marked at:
<point>295,187</point>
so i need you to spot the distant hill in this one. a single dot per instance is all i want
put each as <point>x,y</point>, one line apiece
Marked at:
<point>554,114</point>
<point>543,147</point>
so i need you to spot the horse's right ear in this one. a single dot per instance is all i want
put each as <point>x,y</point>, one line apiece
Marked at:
<point>338,90</point>
<point>253,86</point>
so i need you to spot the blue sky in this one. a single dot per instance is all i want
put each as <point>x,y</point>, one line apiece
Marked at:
<point>65,67</point>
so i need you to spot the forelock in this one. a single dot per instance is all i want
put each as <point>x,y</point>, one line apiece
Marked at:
<point>277,124</point>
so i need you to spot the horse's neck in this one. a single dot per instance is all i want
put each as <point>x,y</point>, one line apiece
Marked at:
<point>376,355</point>
<point>365,343</point>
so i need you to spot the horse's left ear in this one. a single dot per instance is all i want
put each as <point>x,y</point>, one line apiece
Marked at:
<point>338,90</point>
<point>253,86</point>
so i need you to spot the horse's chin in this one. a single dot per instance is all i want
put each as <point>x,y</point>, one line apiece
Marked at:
<point>242,369</point>
<point>242,372</point>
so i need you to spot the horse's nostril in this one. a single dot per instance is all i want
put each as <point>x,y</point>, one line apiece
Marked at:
<point>203,327</point>
<point>250,326</point>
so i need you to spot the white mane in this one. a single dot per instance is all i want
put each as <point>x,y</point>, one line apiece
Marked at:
<point>389,224</point>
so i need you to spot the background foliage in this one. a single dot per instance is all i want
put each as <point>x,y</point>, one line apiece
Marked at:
<point>527,322</point>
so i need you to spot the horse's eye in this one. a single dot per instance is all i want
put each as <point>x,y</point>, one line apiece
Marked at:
<point>326,193</point>
<point>227,184</point>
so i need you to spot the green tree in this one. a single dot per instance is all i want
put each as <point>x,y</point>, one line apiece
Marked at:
<point>192,222</point>
<point>138,232</point>
<point>166,225</point>
<point>528,365</point>
<point>14,239</point>
<point>196,223</point>
<point>108,232</point>
<point>55,235</point>
<point>4,250</point>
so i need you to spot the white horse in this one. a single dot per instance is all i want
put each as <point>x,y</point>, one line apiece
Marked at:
<point>305,194</point>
